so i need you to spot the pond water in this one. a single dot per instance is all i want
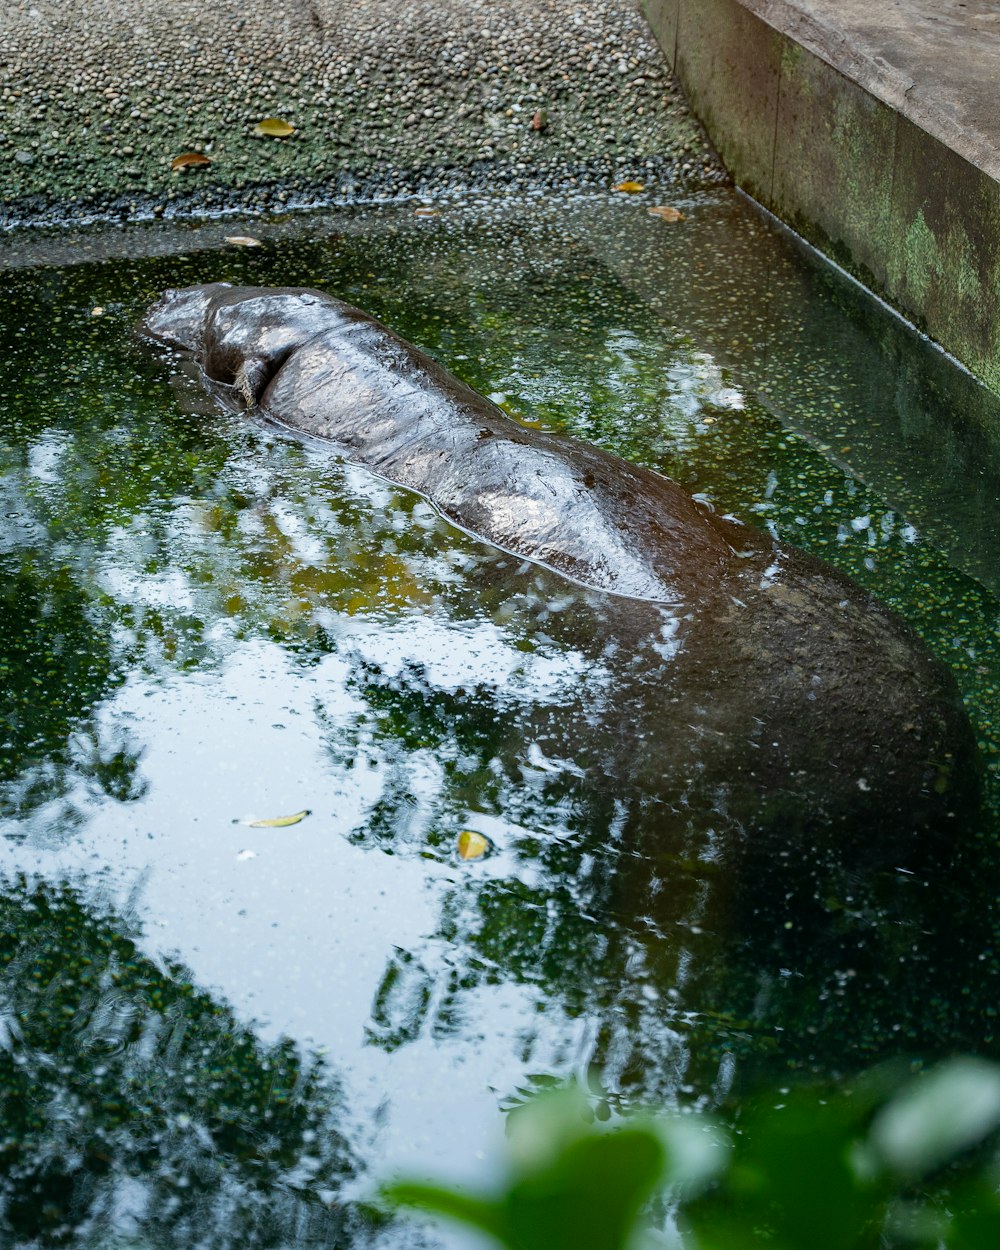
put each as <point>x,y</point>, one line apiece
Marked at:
<point>217,1034</point>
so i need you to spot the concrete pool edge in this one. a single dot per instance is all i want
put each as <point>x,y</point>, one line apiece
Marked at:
<point>896,184</point>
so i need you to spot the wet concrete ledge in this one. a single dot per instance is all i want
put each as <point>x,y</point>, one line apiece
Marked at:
<point>872,128</point>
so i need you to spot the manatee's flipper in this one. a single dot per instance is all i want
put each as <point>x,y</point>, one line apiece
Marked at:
<point>251,379</point>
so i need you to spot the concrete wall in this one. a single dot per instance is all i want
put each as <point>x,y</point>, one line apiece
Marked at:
<point>898,207</point>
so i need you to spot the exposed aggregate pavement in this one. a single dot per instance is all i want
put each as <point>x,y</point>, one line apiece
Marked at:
<point>388,99</point>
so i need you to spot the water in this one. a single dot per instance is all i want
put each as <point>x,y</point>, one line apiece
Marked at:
<point>218,1034</point>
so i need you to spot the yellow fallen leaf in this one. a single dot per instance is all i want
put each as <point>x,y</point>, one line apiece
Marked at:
<point>280,822</point>
<point>274,128</point>
<point>472,845</point>
<point>630,187</point>
<point>189,160</point>
<point>426,212</point>
<point>666,212</point>
<point>243,240</point>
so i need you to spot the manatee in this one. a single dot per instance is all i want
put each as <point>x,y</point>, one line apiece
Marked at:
<point>748,677</point>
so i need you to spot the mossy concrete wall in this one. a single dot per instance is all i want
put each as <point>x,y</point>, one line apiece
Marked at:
<point>899,207</point>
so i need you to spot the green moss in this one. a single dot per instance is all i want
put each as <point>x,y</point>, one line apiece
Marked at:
<point>922,259</point>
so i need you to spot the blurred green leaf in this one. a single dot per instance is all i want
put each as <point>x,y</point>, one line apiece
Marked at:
<point>481,1213</point>
<point>590,1195</point>
<point>808,1170</point>
<point>976,1220</point>
<point>939,1115</point>
<point>570,1184</point>
<point>792,1180</point>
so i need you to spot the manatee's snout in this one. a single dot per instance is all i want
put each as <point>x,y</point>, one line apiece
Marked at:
<point>178,316</point>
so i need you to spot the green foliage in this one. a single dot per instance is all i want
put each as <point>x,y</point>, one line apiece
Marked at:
<point>567,1187</point>
<point>881,1163</point>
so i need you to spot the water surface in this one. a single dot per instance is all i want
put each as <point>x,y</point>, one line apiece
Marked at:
<point>217,1034</point>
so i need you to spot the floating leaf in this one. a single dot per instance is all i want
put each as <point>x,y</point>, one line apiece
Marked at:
<point>472,845</point>
<point>274,128</point>
<point>630,187</point>
<point>280,822</point>
<point>243,240</point>
<point>540,120</point>
<point>426,212</point>
<point>666,212</point>
<point>189,160</point>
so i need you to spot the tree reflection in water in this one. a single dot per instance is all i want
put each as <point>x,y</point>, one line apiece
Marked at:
<point>136,1110</point>
<point>686,939</point>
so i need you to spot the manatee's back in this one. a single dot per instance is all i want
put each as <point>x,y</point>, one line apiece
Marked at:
<point>387,405</point>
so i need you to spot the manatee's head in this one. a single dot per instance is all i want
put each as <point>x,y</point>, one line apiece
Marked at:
<point>178,317</point>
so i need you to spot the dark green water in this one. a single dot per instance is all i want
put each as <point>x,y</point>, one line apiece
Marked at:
<point>216,1034</point>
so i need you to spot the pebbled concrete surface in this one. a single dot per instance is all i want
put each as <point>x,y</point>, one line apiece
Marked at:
<point>388,98</point>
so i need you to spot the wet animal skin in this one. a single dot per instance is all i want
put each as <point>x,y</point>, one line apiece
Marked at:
<point>327,369</point>
<point>782,677</point>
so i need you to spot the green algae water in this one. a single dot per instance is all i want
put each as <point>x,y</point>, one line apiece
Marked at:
<point>217,1032</point>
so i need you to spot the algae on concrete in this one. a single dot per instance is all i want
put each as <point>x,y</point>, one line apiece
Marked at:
<point>98,96</point>
<point>831,115</point>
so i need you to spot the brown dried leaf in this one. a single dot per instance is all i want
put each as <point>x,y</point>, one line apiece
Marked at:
<point>189,160</point>
<point>666,212</point>
<point>274,128</point>
<point>426,212</point>
<point>243,240</point>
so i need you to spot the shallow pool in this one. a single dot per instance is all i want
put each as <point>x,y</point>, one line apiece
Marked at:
<point>219,1033</point>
